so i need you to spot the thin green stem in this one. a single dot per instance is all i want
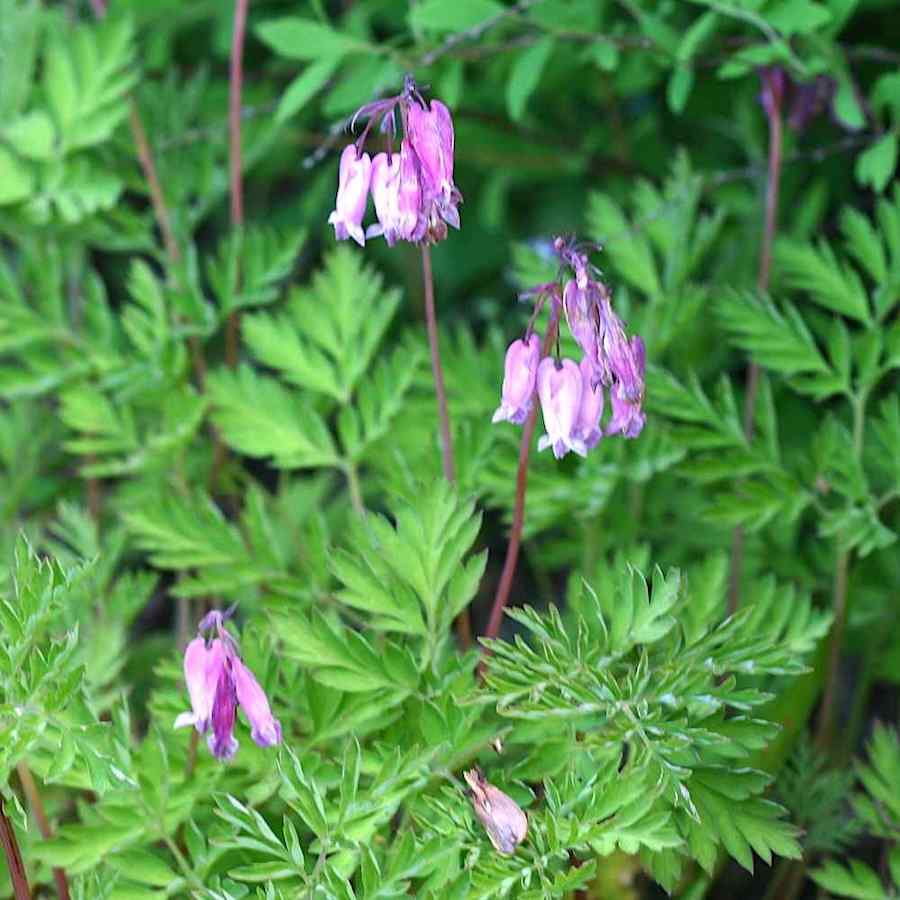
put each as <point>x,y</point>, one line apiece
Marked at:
<point>770,225</point>
<point>353,485</point>
<point>183,864</point>
<point>841,579</point>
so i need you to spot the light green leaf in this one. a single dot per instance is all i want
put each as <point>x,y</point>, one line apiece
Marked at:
<point>525,76</point>
<point>460,15</point>
<point>875,166</point>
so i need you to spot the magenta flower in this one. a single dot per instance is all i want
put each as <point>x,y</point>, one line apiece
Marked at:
<point>412,220</point>
<point>519,377</point>
<point>559,387</point>
<point>587,426</point>
<point>217,682</point>
<point>430,132</point>
<point>352,195</point>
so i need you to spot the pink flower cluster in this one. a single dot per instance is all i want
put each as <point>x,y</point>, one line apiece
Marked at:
<point>572,394</point>
<point>218,682</point>
<point>413,190</point>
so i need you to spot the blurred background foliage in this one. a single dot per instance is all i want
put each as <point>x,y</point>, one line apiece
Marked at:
<point>168,461</point>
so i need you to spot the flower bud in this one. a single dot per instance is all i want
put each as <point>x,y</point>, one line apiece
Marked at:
<point>559,388</point>
<point>519,377</point>
<point>352,195</point>
<point>505,823</point>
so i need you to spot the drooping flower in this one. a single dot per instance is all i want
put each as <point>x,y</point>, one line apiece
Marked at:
<point>587,425</point>
<point>222,742</point>
<point>627,419</point>
<point>201,673</point>
<point>415,197</point>
<point>386,195</point>
<point>218,682</point>
<point>352,195</point>
<point>265,729</point>
<point>430,132</point>
<point>503,820</point>
<point>412,220</point>
<point>559,388</point>
<point>581,315</point>
<point>519,377</point>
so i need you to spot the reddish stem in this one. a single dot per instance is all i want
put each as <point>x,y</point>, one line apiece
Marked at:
<point>770,224</point>
<point>235,84</point>
<point>157,200</point>
<point>437,371</point>
<point>14,863</point>
<point>29,785</point>
<point>515,534</point>
<point>463,621</point>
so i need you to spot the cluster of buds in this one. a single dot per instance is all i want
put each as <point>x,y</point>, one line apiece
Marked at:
<point>412,189</point>
<point>218,682</point>
<point>572,394</point>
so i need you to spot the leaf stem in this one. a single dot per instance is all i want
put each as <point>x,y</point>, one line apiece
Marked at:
<point>770,224</point>
<point>29,786</point>
<point>463,622</point>
<point>13,855</point>
<point>356,497</point>
<point>515,533</point>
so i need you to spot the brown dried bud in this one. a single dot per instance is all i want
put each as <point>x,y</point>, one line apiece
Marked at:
<point>503,820</point>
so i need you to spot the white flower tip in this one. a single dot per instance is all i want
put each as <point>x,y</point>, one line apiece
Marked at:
<point>544,442</point>
<point>499,415</point>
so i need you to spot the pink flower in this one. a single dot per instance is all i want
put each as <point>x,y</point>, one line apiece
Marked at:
<point>559,388</point>
<point>202,665</point>
<point>352,195</point>
<point>627,419</point>
<point>519,377</point>
<point>386,194</point>
<point>587,426</point>
<point>412,222</point>
<point>430,131</point>
<point>217,682</point>
<point>265,729</point>
<point>579,305</point>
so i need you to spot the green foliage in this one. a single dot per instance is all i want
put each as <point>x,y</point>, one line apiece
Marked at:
<point>879,811</point>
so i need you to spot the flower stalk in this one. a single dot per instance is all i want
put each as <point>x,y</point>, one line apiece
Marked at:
<point>772,97</point>
<point>17,874</point>
<point>29,786</point>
